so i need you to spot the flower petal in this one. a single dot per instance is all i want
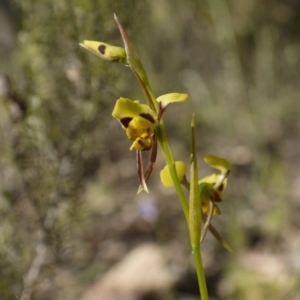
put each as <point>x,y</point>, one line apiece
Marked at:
<point>105,51</point>
<point>218,163</point>
<point>213,180</point>
<point>141,144</point>
<point>126,108</point>
<point>165,176</point>
<point>166,99</point>
<point>205,208</point>
<point>139,127</point>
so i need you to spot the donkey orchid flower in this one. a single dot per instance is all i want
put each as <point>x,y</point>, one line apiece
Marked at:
<point>139,121</point>
<point>215,186</point>
<point>216,182</point>
<point>211,189</point>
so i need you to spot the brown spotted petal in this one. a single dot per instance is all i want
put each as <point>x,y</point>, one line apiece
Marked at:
<point>125,109</point>
<point>105,51</point>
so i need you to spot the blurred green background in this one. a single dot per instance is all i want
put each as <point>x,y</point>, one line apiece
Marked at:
<point>68,205</point>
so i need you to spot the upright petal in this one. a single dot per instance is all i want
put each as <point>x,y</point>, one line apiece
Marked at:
<point>166,99</point>
<point>218,163</point>
<point>213,181</point>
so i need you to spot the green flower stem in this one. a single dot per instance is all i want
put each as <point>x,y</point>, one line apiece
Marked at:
<point>200,272</point>
<point>138,69</point>
<point>168,155</point>
<point>165,145</point>
<point>167,152</point>
<point>163,139</point>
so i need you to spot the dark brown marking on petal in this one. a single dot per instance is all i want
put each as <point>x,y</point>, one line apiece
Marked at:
<point>143,145</point>
<point>125,121</point>
<point>221,187</point>
<point>148,117</point>
<point>146,148</point>
<point>102,49</point>
<point>217,197</point>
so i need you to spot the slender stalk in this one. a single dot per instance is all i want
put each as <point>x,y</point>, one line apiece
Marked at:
<point>192,217</point>
<point>195,216</point>
<point>200,272</point>
<point>167,152</point>
<point>168,155</point>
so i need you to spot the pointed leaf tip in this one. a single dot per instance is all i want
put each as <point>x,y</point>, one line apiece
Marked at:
<point>193,121</point>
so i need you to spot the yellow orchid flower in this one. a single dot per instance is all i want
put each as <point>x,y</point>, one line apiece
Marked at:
<point>216,182</point>
<point>139,121</point>
<point>211,189</point>
<point>181,169</point>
